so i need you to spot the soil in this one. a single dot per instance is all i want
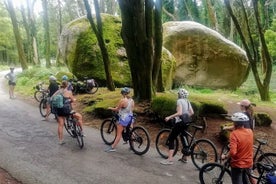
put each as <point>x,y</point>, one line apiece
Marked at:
<point>153,126</point>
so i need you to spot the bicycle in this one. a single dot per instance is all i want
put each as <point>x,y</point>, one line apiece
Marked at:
<point>43,105</point>
<point>201,150</point>
<point>259,155</point>
<point>137,136</point>
<point>89,86</point>
<point>73,128</point>
<point>215,172</point>
<point>40,92</point>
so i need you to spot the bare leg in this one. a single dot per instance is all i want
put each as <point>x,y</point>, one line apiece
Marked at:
<point>120,129</point>
<point>78,116</point>
<point>60,127</point>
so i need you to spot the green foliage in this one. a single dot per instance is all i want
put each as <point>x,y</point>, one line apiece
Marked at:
<point>270,37</point>
<point>163,105</point>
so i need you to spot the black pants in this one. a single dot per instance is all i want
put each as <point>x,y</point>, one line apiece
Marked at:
<point>176,130</point>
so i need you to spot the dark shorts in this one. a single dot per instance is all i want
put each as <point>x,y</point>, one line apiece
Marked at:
<point>12,83</point>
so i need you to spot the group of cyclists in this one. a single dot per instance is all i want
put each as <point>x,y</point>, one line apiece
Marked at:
<point>241,137</point>
<point>66,90</point>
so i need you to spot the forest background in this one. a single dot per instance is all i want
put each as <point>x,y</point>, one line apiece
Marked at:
<point>30,31</point>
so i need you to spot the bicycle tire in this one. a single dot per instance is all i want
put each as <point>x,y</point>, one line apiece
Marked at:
<point>161,143</point>
<point>139,140</point>
<point>92,89</point>
<point>214,173</point>
<point>38,95</point>
<point>108,131</point>
<point>43,108</point>
<point>78,134</point>
<point>267,158</point>
<point>68,127</point>
<point>203,151</point>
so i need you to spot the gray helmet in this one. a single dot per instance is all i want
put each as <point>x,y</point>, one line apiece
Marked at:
<point>125,91</point>
<point>183,93</point>
<point>52,78</point>
<point>239,118</point>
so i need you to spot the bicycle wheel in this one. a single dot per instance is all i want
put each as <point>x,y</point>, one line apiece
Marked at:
<point>214,173</point>
<point>139,140</point>
<point>38,95</point>
<point>203,151</point>
<point>68,125</point>
<point>267,158</point>
<point>92,89</point>
<point>161,143</point>
<point>43,107</point>
<point>108,131</point>
<point>78,134</point>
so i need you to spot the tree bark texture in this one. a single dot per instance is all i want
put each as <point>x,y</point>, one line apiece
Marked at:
<point>18,39</point>
<point>46,33</point>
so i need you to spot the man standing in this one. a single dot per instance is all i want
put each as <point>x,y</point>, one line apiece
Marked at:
<point>12,82</point>
<point>241,149</point>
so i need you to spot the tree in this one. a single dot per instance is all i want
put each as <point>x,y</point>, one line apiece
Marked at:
<point>139,27</point>
<point>99,34</point>
<point>252,53</point>
<point>47,47</point>
<point>18,39</point>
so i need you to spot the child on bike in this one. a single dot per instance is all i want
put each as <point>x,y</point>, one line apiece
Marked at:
<point>183,106</point>
<point>125,111</point>
<point>241,149</point>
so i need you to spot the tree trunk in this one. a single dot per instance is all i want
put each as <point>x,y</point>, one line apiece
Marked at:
<point>19,43</point>
<point>263,86</point>
<point>46,33</point>
<point>139,40</point>
<point>99,34</point>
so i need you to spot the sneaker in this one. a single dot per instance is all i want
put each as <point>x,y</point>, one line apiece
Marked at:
<point>166,162</point>
<point>184,160</point>
<point>61,142</point>
<point>110,149</point>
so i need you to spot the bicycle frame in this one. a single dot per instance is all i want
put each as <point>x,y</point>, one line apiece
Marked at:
<point>189,137</point>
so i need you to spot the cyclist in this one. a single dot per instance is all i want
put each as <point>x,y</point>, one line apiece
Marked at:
<point>52,88</point>
<point>125,111</point>
<point>241,149</point>
<point>61,114</point>
<point>70,86</point>
<point>12,82</point>
<point>183,106</point>
<point>246,107</point>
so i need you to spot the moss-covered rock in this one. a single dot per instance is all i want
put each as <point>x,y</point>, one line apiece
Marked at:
<point>262,119</point>
<point>80,51</point>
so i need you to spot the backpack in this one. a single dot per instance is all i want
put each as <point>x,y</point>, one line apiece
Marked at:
<point>58,101</point>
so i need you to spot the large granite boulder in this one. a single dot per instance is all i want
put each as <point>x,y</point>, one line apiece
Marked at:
<point>203,57</point>
<point>80,51</point>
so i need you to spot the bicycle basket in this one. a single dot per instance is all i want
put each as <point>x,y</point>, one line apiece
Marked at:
<point>90,82</point>
<point>271,177</point>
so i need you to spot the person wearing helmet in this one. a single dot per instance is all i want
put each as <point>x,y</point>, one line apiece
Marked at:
<point>11,77</point>
<point>125,111</point>
<point>52,88</point>
<point>247,108</point>
<point>183,106</point>
<point>241,149</point>
<point>70,86</point>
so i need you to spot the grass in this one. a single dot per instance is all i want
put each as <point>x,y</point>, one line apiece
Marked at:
<point>28,79</point>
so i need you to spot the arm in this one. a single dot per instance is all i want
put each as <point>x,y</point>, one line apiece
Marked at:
<point>118,107</point>
<point>178,113</point>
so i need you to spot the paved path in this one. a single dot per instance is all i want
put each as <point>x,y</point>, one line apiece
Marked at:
<point>29,151</point>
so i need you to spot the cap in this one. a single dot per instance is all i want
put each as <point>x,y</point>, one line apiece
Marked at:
<point>244,102</point>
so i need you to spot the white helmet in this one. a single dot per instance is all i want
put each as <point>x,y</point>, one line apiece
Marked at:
<point>52,78</point>
<point>239,118</point>
<point>183,93</point>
